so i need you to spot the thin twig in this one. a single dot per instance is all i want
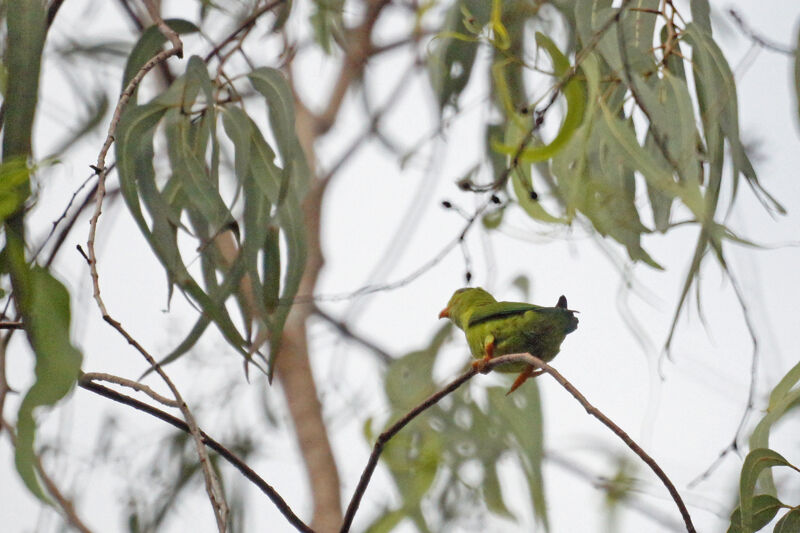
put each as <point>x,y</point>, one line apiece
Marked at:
<point>213,487</point>
<point>246,23</point>
<point>63,502</point>
<point>650,512</point>
<point>760,41</point>
<point>592,410</point>
<point>131,384</point>
<point>384,437</point>
<point>501,360</point>
<point>733,446</point>
<point>102,171</point>
<point>12,325</point>
<point>166,31</point>
<point>345,330</point>
<point>225,453</point>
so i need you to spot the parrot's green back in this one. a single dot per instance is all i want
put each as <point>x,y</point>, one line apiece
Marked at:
<point>510,327</point>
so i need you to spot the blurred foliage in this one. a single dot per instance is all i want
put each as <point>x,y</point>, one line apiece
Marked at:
<point>648,138</point>
<point>446,463</point>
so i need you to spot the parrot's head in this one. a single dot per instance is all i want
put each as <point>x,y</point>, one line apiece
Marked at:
<point>572,320</point>
<point>463,303</point>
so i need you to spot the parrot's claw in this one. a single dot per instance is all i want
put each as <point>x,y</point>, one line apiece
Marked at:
<point>481,365</point>
<point>529,372</point>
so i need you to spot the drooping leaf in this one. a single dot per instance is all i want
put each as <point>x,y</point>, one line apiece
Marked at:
<point>14,185</point>
<point>765,507</point>
<point>58,362</point>
<point>756,462</point>
<point>720,107</point>
<point>575,94</point>
<point>450,64</point>
<point>789,523</point>
<point>327,22</point>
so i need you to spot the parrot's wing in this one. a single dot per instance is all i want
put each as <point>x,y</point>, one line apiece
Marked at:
<point>500,310</point>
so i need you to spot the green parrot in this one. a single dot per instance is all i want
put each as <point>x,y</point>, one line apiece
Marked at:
<point>498,328</point>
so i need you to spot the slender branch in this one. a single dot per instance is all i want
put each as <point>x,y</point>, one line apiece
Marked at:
<point>63,502</point>
<point>102,171</point>
<point>246,23</point>
<point>213,487</point>
<point>12,325</point>
<point>592,410</point>
<point>501,360</point>
<point>135,385</point>
<point>607,485</point>
<point>384,437</point>
<point>225,453</point>
<point>759,40</point>
<point>359,50</point>
<point>733,446</point>
<point>165,30</point>
<point>345,330</point>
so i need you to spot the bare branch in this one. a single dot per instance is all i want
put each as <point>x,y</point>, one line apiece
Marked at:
<point>246,24</point>
<point>225,453</point>
<point>505,359</point>
<point>135,385</point>
<point>213,487</point>
<point>384,437</point>
<point>595,412</point>
<point>345,330</point>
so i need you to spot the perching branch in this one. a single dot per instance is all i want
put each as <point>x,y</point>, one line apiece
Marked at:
<point>384,437</point>
<point>225,453</point>
<point>595,412</point>
<point>497,361</point>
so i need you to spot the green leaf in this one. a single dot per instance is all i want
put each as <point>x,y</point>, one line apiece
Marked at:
<point>701,14</point>
<point>191,170</point>
<point>719,107</point>
<point>273,86</point>
<point>281,186</point>
<point>25,27</point>
<point>522,418</point>
<point>14,185</point>
<point>765,507</point>
<point>134,148</point>
<point>797,76</point>
<point>454,50</point>
<point>756,461</point>
<point>149,44</point>
<point>634,31</point>
<point>575,94</point>
<point>782,399</point>
<point>327,22</point>
<point>271,267</point>
<point>58,363</point>
<point>625,141</point>
<point>789,523</point>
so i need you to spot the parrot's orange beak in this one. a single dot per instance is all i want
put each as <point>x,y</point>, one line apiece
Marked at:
<point>445,313</point>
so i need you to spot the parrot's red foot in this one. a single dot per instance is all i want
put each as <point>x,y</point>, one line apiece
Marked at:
<point>481,365</point>
<point>529,372</point>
